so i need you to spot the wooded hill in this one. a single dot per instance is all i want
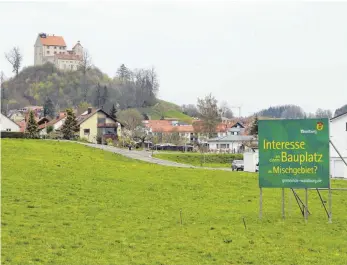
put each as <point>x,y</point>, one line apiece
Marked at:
<point>128,89</point>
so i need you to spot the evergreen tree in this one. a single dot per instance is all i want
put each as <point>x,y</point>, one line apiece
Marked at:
<point>254,128</point>
<point>70,125</point>
<point>97,99</point>
<point>32,127</point>
<point>123,73</point>
<point>48,108</point>
<point>113,112</point>
<point>145,116</point>
<point>104,96</point>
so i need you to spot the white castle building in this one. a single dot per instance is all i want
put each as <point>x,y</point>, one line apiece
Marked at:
<point>51,48</point>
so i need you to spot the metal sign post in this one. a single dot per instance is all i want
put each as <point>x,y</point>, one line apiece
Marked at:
<point>306,205</point>
<point>283,213</point>
<point>261,203</point>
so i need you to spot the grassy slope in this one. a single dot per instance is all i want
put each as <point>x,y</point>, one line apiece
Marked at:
<point>168,109</point>
<point>195,159</point>
<point>65,203</point>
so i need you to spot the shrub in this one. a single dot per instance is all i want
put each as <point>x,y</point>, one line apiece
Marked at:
<point>54,135</point>
<point>14,135</point>
<point>50,129</point>
<point>109,141</point>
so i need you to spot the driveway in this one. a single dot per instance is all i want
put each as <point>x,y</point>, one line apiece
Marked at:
<point>147,157</point>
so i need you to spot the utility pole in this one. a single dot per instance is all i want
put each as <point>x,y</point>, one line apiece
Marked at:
<point>237,107</point>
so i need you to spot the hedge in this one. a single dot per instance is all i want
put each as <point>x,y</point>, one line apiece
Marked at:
<point>14,135</point>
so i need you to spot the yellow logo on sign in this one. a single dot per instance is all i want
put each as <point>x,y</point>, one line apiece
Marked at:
<point>320,126</point>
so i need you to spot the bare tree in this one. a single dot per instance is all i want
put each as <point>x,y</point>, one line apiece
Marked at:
<point>154,80</point>
<point>293,112</point>
<point>225,110</point>
<point>190,110</point>
<point>131,118</point>
<point>320,113</point>
<point>209,114</point>
<point>2,79</point>
<point>84,66</point>
<point>14,57</point>
<point>85,63</point>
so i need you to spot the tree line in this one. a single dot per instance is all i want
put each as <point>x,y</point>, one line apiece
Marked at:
<point>293,112</point>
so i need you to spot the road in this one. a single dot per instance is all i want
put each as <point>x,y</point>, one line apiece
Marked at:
<point>147,157</point>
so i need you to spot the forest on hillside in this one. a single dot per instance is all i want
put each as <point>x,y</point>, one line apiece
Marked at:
<point>129,88</point>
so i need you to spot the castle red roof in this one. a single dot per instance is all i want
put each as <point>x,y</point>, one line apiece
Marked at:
<point>53,41</point>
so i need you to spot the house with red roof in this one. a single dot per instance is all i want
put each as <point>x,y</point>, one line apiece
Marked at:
<point>53,49</point>
<point>191,132</point>
<point>56,123</point>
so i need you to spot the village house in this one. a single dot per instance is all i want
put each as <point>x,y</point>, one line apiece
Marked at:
<point>338,136</point>
<point>8,125</point>
<point>56,124</point>
<point>163,129</point>
<point>190,133</point>
<point>232,143</point>
<point>95,125</point>
<point>53,49</point>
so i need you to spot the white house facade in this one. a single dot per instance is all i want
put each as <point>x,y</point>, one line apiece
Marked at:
<point>338,136</point>
<point>231,143</point>
<point>8,125</point>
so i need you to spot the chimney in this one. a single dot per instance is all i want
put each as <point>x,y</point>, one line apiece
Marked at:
<point>89,110</point>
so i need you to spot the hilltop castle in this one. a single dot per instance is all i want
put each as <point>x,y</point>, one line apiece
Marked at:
<point>51,48</point>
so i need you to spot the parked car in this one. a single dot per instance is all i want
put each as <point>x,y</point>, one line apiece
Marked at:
<point>257,167</point>
<point>237,165</point>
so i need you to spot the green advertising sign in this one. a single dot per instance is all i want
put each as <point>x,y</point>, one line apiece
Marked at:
<point>294,153</point>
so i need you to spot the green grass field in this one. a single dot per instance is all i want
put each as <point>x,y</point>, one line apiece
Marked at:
<point>64,203</point>
<point>198,159</point>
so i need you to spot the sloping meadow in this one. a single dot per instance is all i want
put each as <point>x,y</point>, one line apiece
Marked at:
<point>65,203</point>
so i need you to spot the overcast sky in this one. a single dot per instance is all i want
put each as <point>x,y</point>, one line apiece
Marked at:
<point>249,53</point>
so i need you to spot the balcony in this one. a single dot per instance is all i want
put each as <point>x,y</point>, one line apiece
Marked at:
<point>107,125</point>
<point>110,136</point>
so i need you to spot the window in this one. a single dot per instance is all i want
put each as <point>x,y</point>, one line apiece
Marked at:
<point>101,120</point>
<point>55,52</point>
<point>55,47</point>
<point>8,130</point>
<point>86,131</point>
<point>47,52</point>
